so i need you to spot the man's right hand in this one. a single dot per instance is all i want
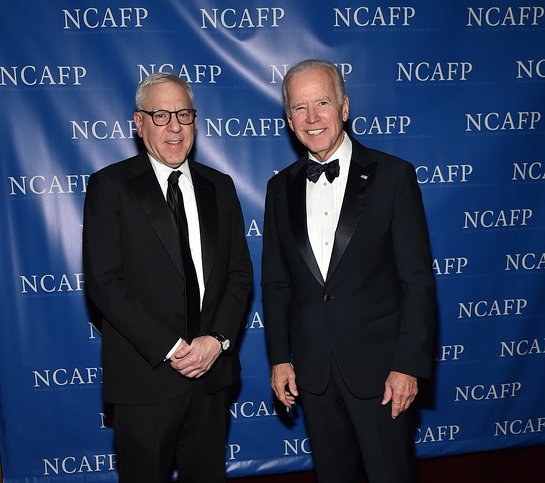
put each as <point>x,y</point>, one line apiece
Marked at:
<point>283,383</point>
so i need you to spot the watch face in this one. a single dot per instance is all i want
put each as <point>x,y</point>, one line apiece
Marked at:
<point>225,344</point>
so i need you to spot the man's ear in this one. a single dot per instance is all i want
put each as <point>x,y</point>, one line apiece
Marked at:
<point>290,123</point>
<point>345,108</point>
<point>137,118</point>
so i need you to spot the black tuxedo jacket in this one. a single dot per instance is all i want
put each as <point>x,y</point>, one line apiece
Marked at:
<point>376,310</point>
<point>134,275</point>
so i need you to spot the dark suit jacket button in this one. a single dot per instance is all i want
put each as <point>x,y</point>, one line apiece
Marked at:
<point>327,298</point>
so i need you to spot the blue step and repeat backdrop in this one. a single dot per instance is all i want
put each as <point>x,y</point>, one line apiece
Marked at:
<point>455,87</point>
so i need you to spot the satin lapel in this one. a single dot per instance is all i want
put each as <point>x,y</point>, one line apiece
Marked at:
<point>148,191</point>
<point>359,179</point>
<point>205,194</point>
<point>297,209</point>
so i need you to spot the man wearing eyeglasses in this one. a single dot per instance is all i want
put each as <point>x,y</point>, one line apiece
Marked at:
<point>167,264</point>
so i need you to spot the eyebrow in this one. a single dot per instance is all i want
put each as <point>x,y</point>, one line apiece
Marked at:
<point>319,99</point>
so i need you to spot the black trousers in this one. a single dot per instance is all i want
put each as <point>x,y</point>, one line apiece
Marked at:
<point>345,431</point>
<point>187,433</point>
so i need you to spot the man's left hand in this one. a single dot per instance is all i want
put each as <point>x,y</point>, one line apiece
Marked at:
<point>195,359</point>
<point>401,389</point>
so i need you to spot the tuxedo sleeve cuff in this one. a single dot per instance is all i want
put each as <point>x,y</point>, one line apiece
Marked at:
<point>173,350</point>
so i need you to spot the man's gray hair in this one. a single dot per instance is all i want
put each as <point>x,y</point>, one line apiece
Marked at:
<point>159,78</point>
<point>313,64</point>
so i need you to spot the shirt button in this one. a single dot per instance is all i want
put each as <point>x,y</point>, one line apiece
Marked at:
<point>326,244</point>
<point>326,213</point>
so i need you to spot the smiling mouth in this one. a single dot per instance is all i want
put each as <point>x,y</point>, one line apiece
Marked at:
<point>315,132</point>
<point>176,141</point>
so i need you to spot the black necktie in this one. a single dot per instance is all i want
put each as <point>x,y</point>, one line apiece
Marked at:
<point>175,202</point>
<point>314,170</point>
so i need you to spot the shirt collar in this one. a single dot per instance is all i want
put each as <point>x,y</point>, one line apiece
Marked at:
<point>343,153</point>
<point>162,171</point>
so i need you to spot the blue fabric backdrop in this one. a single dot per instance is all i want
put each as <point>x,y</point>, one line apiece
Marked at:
<point>455,87</point>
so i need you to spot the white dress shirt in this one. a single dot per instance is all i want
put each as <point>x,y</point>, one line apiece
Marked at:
<point>324,201</point>
<point>185,182</point>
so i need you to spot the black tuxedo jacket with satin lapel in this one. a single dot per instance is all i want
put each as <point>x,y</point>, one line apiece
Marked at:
<point>376,310</point>
<point>134,276</point>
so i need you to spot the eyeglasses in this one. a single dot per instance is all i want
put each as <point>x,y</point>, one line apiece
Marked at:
<point>162,117</point>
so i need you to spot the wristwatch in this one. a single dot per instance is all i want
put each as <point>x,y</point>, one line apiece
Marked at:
<point>224,343</point>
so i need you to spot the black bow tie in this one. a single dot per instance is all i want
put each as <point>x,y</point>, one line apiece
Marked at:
<point>314,170</point>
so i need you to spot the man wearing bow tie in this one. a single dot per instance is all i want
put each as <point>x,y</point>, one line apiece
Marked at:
<point>348,288</point>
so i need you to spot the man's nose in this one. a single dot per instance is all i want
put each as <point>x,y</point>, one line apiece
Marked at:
<point>312,115</point>
<point>174,124</point>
